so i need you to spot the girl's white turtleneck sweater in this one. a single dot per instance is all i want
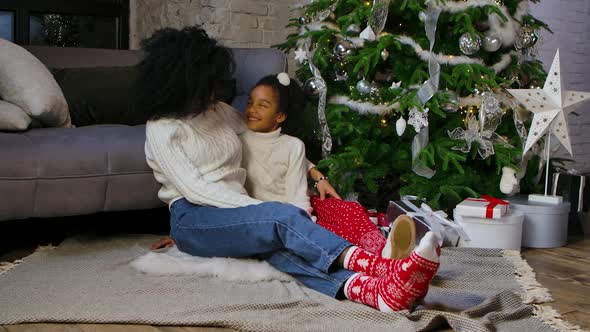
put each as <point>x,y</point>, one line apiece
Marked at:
<point>199,158</point>
<point>276,167</point>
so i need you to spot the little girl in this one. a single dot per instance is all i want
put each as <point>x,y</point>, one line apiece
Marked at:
<point>277,168</point>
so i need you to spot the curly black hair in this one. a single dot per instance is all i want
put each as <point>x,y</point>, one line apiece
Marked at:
<point>182,73</point>
<point>291,103</point>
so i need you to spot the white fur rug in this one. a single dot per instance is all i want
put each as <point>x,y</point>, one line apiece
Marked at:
<point>173,262</point>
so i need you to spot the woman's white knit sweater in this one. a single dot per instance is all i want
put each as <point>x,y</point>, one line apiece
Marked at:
<point>199,158</point>
<point>277,168</point>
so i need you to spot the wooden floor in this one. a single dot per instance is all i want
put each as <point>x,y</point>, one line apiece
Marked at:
<point>564,271</point>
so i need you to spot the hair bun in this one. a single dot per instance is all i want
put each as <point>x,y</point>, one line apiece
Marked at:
<point>284,79</point>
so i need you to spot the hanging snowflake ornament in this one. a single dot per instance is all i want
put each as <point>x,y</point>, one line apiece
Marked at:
<point>490,113</point>
<point>395,85</point>
<point>418,119</point>
<point>550,106</point>
<point>301,55</point>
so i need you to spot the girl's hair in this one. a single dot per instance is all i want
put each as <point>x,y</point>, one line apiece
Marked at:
<point>291,103</point>
<point>183,73</point>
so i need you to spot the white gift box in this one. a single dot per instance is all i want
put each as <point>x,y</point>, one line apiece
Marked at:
<point>545,225</point>
<point>483,208</point>
<point>503,233</point>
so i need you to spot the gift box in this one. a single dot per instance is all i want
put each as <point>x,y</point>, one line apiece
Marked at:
<point>501,233</point>
<point>426,220</point>
<point>545,225</point>
<point>574,189</point>
<point>378,218</point>
<point>485,207</point>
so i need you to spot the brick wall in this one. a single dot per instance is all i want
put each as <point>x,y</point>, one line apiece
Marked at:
<point>570,22</point>
<point>236,23</point>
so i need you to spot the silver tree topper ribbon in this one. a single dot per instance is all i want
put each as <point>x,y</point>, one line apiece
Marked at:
<point>426,91</point>
<point>326,138</point>
<point>379,15</point>
<point>324,128</point>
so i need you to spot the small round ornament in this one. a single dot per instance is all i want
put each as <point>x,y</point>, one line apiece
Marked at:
<point>400,126</point>
<point>384,54</point>
<point>469,45</point>
<point>343,49</point>
<point>303,20</point>
<point>453,102</point>
<point>311,87</point>
<point>492,43</point>
<point>354,28</point>
<point>422,16</point>
<point>363,86</point>
<point>526,38</point>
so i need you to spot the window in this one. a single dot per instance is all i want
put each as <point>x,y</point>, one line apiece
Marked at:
<point>7,25</point>
<point>66,23</point>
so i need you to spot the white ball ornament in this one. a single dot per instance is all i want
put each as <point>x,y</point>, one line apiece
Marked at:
<point>284,79</point>
<point>363,86</point>
<point>400,126</point>
<point>492,43</point>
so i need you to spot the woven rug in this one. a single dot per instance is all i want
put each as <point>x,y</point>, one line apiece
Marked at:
<point>91,280</point>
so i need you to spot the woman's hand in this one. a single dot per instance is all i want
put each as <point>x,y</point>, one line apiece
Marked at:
<point>166,242</point>
<point>325,188</point>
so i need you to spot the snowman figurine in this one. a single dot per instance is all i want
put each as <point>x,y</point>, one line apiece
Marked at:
<point>509,183</point>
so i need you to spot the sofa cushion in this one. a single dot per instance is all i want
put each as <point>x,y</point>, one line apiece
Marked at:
<point>72,171</point>
<point>99,95</point>
<point>12,117</point>
<point>27,83</point>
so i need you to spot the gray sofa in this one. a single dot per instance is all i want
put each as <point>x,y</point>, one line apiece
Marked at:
<point>56,172</point>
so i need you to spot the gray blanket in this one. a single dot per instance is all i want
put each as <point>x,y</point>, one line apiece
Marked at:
<point>90,280</point>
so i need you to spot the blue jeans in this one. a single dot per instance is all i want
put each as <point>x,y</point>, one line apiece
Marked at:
<point>281,234</point>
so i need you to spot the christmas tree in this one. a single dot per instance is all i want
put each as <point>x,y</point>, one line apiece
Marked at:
<point>409,96</point>
<point>60,30</point>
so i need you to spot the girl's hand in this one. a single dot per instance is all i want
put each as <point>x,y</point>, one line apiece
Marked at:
<point>166,242</point>
<point>325,188</point>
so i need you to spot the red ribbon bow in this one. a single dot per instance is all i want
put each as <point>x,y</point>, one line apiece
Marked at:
<point>493,202</point>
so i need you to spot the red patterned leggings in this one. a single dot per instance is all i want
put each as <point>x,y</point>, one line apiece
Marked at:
<point>350,221</point>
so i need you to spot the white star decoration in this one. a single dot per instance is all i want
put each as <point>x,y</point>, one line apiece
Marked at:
<point>300,55</point>
<point>550,107</point>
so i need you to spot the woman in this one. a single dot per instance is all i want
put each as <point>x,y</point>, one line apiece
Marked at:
<point>192,145</point>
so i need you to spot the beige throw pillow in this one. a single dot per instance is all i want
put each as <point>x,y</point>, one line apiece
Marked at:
<point>12,117</point>
<point>27,83</point>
